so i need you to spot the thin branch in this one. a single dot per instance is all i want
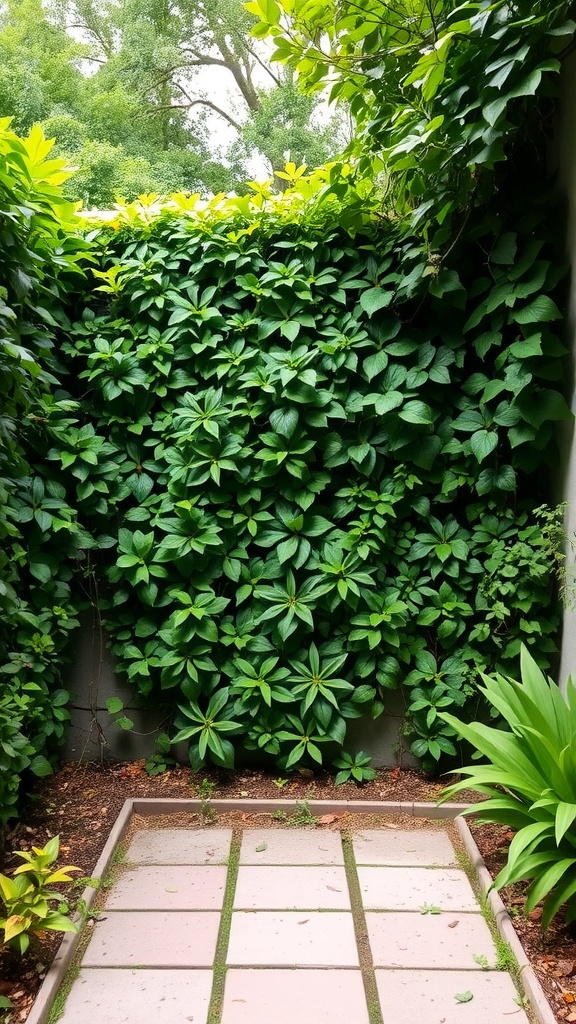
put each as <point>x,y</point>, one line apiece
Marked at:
<point>202,103</point>
<point>263,65</point>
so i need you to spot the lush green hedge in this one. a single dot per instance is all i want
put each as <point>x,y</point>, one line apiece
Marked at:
<point>305,435</point>
<point>312,475</point>
<point>39,256</point>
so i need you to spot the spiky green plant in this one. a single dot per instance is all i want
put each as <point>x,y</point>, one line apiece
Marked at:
<point>529,778</point>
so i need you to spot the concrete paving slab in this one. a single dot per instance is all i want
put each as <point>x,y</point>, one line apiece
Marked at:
<point>180,846</point>
<point>301,939</point>
<point>171,887</point>
<point>408,996</point>
<point>121,996</point>
<point>283,846</point>
<point>429,941</point>
<point>291,888</point>
<point>385,888</point>
<point>123,938</point>
<point>318,997</point>
<point>404,847</point>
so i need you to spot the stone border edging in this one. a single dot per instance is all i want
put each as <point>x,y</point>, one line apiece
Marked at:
<point>179,805</point>
<point>57,971</point>
<point>150,806</point>
<point>532,986</point>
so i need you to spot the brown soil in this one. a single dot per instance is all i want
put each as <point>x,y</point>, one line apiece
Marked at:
<point>81,802</point>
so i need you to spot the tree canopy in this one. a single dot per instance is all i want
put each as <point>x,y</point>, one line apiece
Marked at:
<point>154,96</point>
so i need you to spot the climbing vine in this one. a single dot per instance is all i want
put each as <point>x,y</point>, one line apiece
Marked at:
<point>305,435</point>
<point>309,486</point>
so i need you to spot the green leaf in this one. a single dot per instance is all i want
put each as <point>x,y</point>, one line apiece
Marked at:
<point>284,420</point>
<point>375,364</point>
<point>40,766</point>
<point>463,997</point>
<point>483,443</point>
<point>287,549</point>
<point>416,412</point>
<point>541,310</point>
<point>374,299</point>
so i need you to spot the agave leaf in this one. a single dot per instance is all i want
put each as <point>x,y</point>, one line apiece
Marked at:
<point>501,778</point>
<point>525,867</point>
<point>567,762</point>
<point>570,694</point>
<point>562,893</point>
<point>502,749</point>
<point>545,882</point>
<point>544,694</point>
<point>565,815</point>
<point>525,840</point>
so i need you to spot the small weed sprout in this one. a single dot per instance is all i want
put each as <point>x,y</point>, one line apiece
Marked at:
<point>303,815</point>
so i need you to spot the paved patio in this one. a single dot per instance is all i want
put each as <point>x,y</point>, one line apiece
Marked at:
<point>291,926</point>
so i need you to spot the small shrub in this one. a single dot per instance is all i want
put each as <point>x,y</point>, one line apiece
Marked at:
<point>356,767</point>
<point>27,896</point>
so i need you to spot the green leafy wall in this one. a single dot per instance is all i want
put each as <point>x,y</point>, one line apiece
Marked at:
<point>312,475</point>
<point>40,256</point>
<point>290,449</point>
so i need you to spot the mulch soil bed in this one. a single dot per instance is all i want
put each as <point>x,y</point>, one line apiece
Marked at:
<point>81,802</point>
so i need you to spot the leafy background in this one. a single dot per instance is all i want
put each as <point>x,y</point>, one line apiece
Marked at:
<point>291,447</point>
<point>321,482</point>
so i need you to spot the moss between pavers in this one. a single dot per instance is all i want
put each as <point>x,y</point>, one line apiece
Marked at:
<point>361,930</point>
<point>219,978</point>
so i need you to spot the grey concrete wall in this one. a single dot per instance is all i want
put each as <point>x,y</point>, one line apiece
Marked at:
<point>567,175</point>
<point>91,678</point>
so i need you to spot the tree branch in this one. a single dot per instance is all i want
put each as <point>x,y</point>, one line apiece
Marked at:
<point>203,103</point>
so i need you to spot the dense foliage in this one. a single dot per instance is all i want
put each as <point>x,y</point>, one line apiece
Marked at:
<point>309,486</point>
<point>38,530</point>
<point>306,435</point>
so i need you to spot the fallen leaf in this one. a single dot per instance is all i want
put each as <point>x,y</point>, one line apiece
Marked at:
<point>568,997</point>
<point>452,924</point>
<point>305,921</point>
<point>333,888</point>
<point>261,847</point>
<point>328,819</point>
<point>535,914</point>
<point>463,997</point>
